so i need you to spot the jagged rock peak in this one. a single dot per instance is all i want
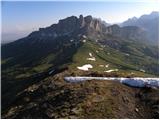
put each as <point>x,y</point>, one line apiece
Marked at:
<point>81,20</point>
<point>72,24</point>
<point>88,19</point>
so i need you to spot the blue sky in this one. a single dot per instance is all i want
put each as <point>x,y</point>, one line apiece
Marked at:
<point>20,18</point>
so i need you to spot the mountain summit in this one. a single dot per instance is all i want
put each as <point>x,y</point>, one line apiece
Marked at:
<point>71,26</point>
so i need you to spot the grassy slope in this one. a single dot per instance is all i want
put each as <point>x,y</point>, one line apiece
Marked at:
<point>115,59</point>
<point>67,53</point>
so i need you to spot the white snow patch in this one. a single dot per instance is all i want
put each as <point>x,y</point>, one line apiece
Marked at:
<point>90,54</point>
<point>71,40</point>
<point>134,82</point>
<point>108,53</point>
<point>141,82</point>
<point>83,41</point>
<point>101,65</point>
<point>92,59</point>
<point>85,67</point>
<point>84,36</point>
<point>97,51</point>
<point>108,71</point>
<point>127,54</point>
<point>142,70</point>
<point>107,65</point>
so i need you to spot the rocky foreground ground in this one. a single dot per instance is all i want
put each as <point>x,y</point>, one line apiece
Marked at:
<point>55,98</point>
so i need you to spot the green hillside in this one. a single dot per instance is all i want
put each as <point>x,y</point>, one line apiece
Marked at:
<point>124,62</point>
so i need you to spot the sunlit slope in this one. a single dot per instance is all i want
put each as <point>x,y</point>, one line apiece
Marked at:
<point>107,58</point>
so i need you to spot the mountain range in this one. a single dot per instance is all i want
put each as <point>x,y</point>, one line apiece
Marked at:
<point>150,23</point>
<point>126,50</point>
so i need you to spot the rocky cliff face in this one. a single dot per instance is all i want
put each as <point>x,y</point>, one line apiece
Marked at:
<point>71,26</point>
<point>91,27</point>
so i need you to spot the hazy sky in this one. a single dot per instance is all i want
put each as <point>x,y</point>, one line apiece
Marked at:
<point>21,18</point>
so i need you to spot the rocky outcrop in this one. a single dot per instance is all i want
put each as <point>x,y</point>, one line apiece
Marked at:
<point>53,98</point>
<point>69,26</point>
<point>89,26</point>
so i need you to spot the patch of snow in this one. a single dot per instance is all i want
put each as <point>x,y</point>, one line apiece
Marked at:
<point>108,53</point>
<point>71,40</point>
<point>134,82</point>
<point>84,36</point>
<point>83,41</point>
<point>142,70</point>
<point>92,59</point>
<point>85,67</point>
<point>108,71</point>
<point>97,51</point>
<point>127,54</point>
<point>90,54</point>
<point>101,65</point>
<point>107,65</point>
<point>141,82</point>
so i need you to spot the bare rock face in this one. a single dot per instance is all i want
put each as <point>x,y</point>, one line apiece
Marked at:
<point>67,25</point>
<point>88,19</point>
<point>97,25</point>
<point>89,26</point>
<point>81,21</point>
<point>113,29</point>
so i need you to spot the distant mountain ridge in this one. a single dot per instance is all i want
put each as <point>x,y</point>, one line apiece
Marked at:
<point>89,26</point>
<point>150,23</point>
